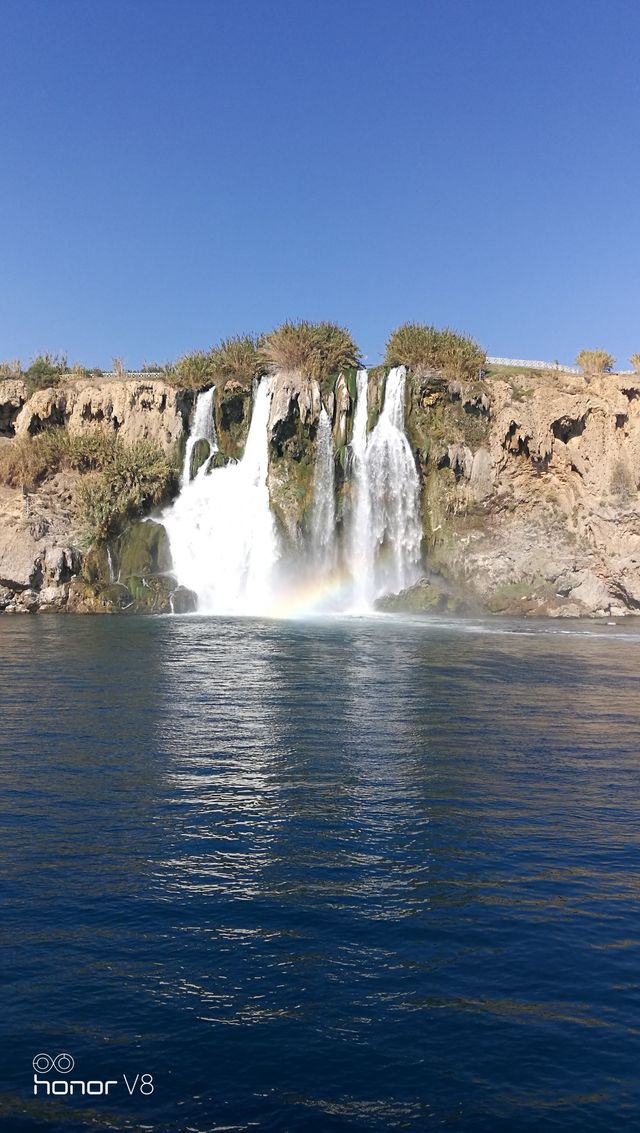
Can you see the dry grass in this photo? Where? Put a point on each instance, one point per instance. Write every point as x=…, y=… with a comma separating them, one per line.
x=595, y=361
x=237, y=358
x=314, y=349
x=27, y=461
x=423, y=348
x=136, y=478
x=120, y=482
x=12, y=369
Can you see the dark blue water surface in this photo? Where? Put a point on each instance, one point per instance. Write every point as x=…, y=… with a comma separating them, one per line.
x=324, y=876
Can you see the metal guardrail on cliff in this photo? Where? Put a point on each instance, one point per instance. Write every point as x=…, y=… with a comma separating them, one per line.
x=133, y=374
x=527, y=364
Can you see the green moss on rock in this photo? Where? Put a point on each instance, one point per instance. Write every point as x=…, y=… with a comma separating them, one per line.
x=200, y=453
x=95, y=565
x=427, y=596
x=233, y=415
x=143, y=549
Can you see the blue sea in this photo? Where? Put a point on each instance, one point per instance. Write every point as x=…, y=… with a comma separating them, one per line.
x=319, y=877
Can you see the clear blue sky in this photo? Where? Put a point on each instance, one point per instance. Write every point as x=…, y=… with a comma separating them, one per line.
x=174, y=171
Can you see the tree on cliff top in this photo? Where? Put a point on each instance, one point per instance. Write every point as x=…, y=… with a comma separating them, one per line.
x=314, y=349
x=422, y=348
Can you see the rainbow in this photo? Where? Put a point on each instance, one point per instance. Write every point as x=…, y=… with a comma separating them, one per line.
x=327, y=595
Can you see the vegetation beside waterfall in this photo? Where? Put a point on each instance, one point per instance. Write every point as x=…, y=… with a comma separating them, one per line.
x=118, y=482
x=237, y=359
x=137, y=478
x=426, y=349
x=317, y=350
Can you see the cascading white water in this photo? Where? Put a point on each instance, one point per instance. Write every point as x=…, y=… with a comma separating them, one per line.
x=384, y=550
x=222, y=534
x=394, y=488
x=323, y=517
x=202, y=429
x=360, y=550
x=221, y=531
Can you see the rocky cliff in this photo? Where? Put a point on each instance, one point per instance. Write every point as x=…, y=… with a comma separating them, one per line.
x=529, y=487
x=134, y=410
x=531, y=492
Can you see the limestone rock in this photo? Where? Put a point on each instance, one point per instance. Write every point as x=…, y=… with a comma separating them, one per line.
x=342, y=411
x=136, y=410
x=481, y=475
x=296, y=400
x=53, y=597
x=460, y=459
x=38, y=548
x=13, y=394
x=20, y=558
x=143, y=549
x=232, y=403
x=554, y=484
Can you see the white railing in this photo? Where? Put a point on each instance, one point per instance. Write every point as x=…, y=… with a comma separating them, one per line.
x=527, y=364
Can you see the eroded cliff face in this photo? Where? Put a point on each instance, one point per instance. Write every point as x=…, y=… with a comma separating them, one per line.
x=42, y=547
x=293, y=424
x=135, y=410
x=39, y=546
x=530, y=497
x=531, y=491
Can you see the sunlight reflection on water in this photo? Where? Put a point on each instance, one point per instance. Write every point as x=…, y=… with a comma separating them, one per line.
x=331, y=875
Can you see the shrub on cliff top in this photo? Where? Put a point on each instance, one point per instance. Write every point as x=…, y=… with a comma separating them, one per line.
x=236, y=358
x=314, y=349
x=595, y=361
x=422, y=348
x=192, y=371
x=45, y=371
x=12, y=369
x=635, y=362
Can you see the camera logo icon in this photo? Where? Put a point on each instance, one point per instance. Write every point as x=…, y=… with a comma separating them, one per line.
x=63, y=1063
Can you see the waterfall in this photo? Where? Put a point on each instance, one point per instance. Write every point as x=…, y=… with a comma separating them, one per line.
x=394, y=486
x=384, y=548
x=323, y=516
x=202, y=429
x=360, y=551
x=112, y=573
x=221, y=532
